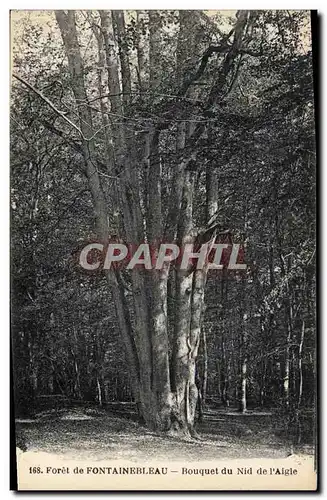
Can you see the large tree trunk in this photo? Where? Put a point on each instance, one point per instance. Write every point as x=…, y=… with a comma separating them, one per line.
x=66, y=22
x=166, y=395
x=149, y=295
x=189, y=291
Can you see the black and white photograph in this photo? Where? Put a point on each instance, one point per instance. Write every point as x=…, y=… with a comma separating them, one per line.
x=163, y=181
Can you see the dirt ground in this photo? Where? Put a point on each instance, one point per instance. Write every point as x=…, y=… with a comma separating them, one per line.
x=101, y=434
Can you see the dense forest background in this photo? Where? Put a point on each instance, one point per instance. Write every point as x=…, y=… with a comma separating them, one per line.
x=206, y=120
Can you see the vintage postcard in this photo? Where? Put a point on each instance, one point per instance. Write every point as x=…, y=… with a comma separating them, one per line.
x=163, y=262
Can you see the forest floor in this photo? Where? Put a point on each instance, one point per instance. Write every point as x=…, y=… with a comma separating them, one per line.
x=114, y=433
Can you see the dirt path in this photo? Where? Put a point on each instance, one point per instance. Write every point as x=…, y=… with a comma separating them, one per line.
x=100, y=435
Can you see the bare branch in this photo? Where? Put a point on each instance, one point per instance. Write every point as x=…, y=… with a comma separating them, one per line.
x=50, y=104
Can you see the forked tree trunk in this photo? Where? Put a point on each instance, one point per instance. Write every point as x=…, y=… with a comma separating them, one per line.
x=151, y=335
x=166, y=395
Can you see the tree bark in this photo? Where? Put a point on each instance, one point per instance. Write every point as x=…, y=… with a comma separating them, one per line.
x=141, y=50
x=150, y=315
x=67, y=27
x=243, y=369
x=167, y=399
